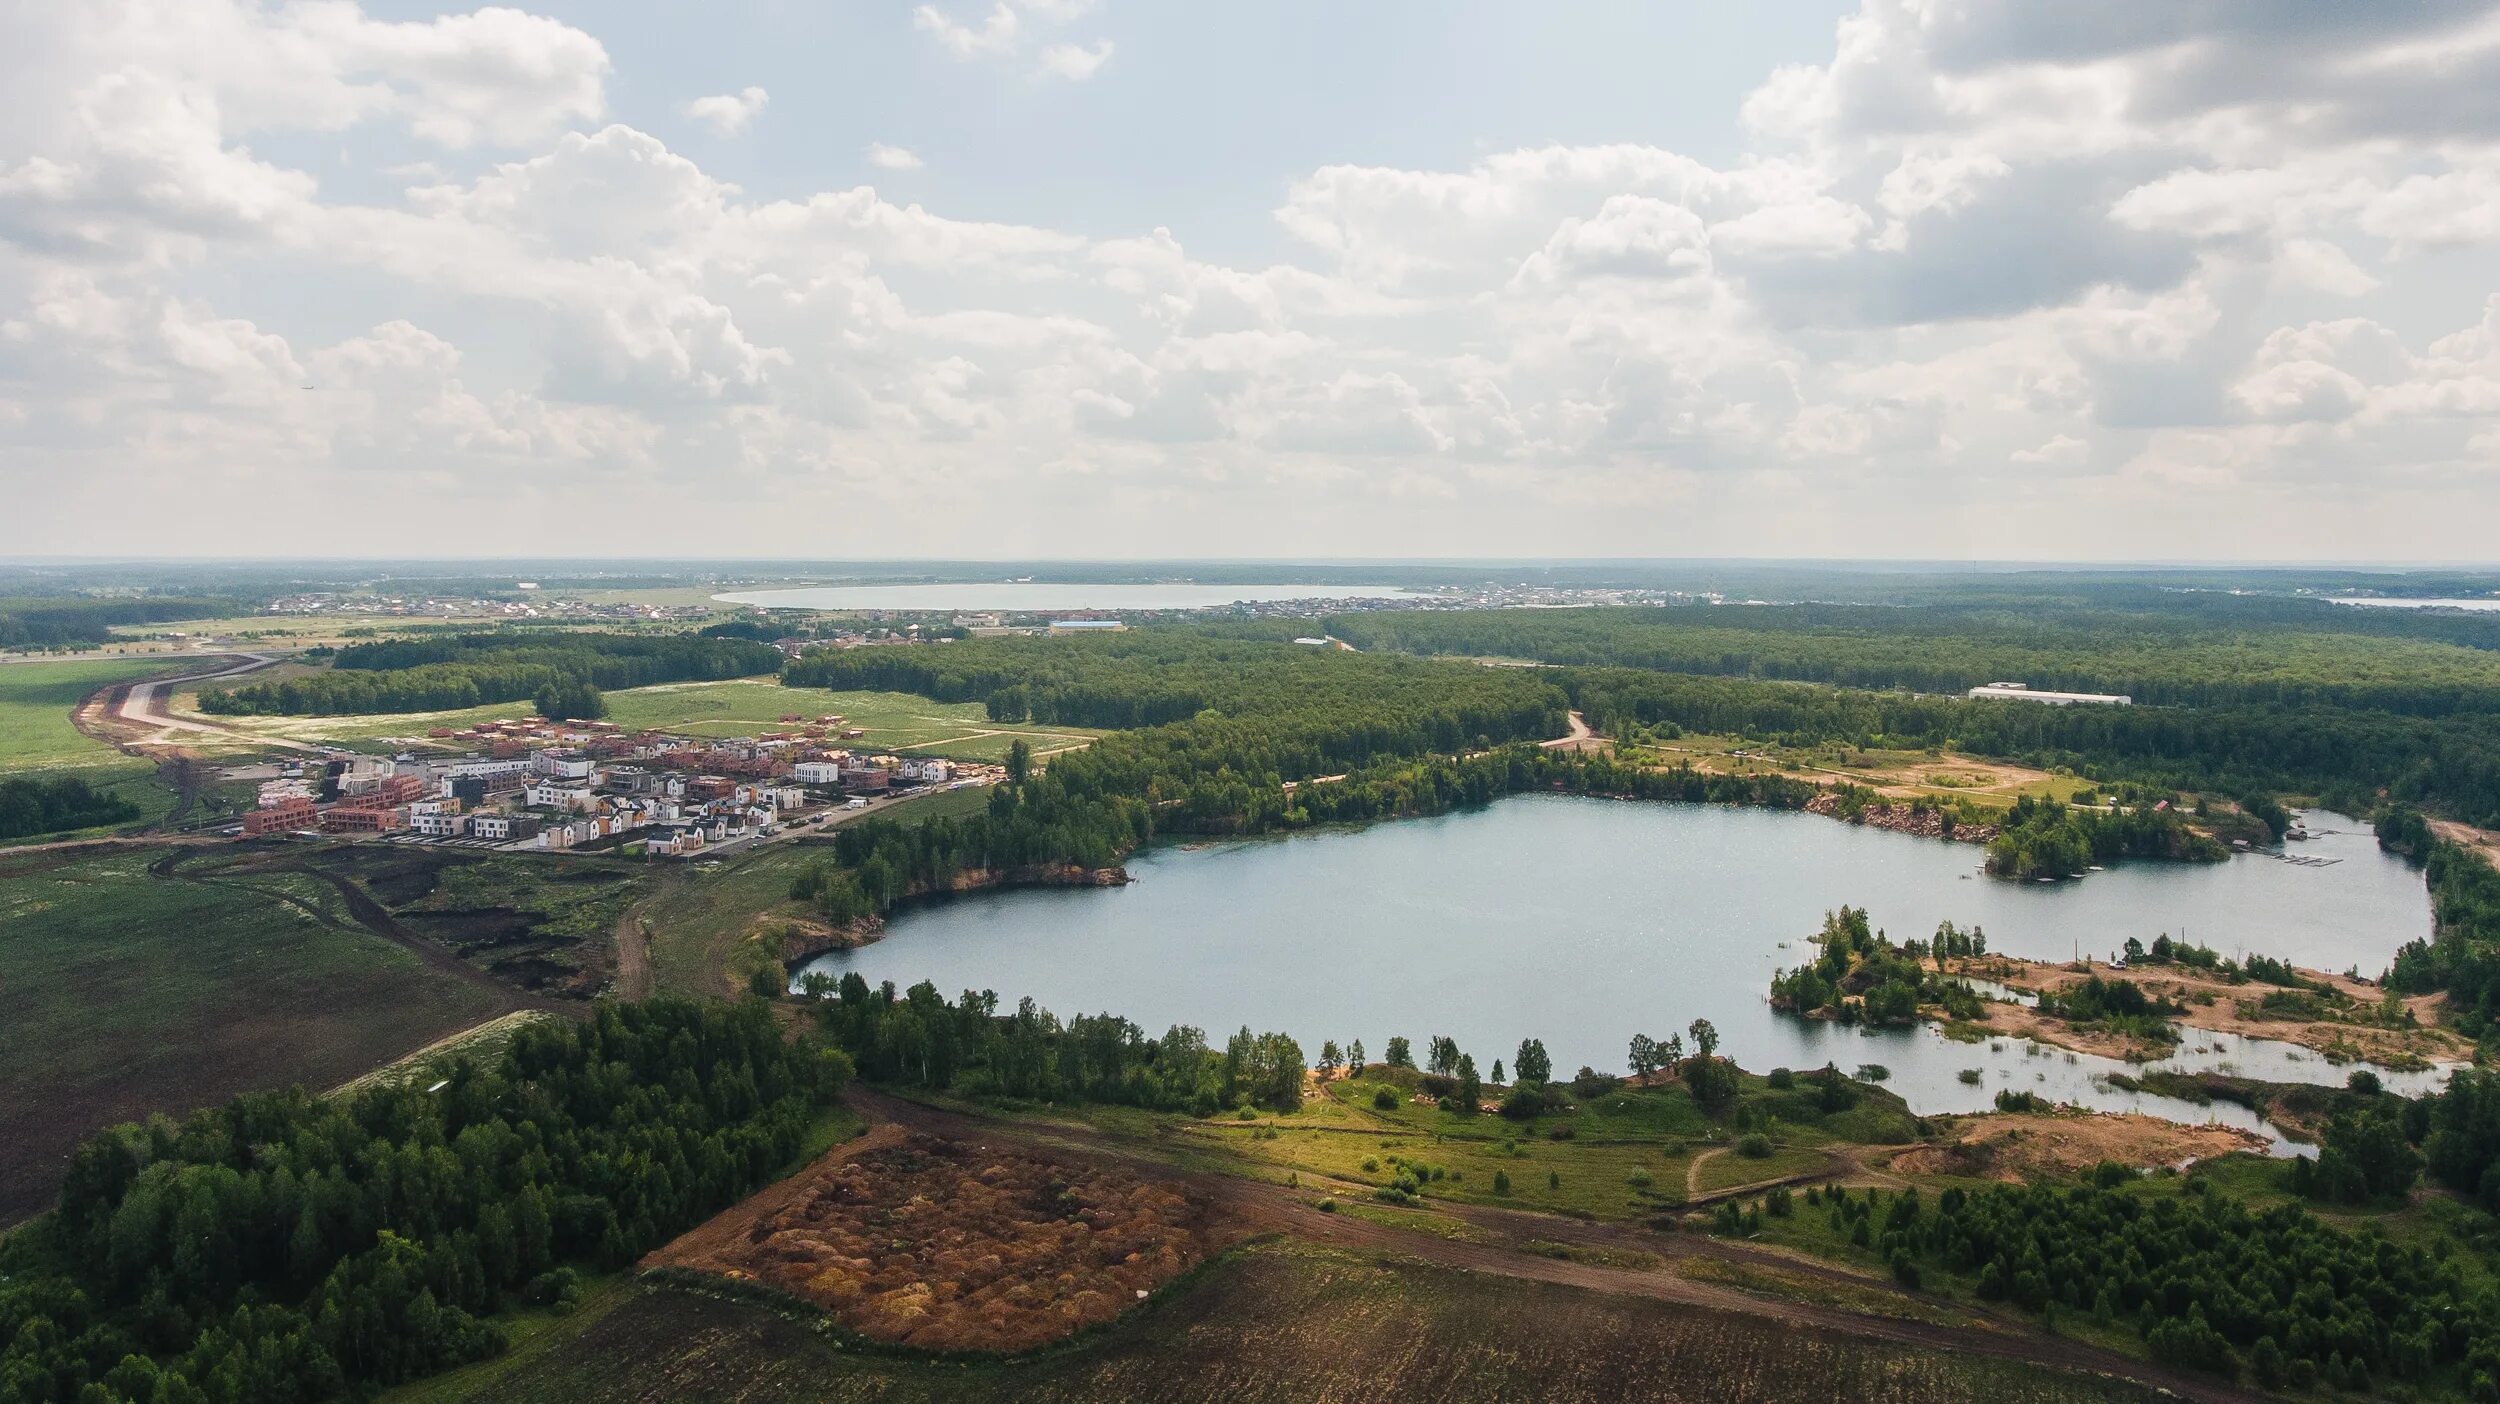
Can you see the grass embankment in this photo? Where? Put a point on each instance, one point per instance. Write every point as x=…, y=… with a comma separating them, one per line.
x=742, y=707
x=1284, y=1321
x=129, y=994
x=1631, y=1153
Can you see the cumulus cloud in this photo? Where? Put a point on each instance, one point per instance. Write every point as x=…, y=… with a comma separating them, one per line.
x=2045, y=274
x=728, y=114
x=995, y=33
x=1075, y=62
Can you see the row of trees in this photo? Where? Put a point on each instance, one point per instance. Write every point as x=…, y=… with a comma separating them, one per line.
x=444, y=673
x=2206, y=1281
x=2462, y=957
x=2157, y=652
x=286, y=1247
x=918, y=1039
x=32, y=806
x=52, y=621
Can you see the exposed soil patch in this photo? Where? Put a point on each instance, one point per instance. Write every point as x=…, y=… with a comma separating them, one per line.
x=1903, y=819
x=944, y=1245
x=2215, y=1004
x=2019, y=1149
x=473, y=929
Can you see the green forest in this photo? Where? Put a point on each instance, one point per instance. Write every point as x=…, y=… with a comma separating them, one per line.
x=76, y=622
x=31, y=806
x=285, y=1247
x=470, y=670
x=2173, y=651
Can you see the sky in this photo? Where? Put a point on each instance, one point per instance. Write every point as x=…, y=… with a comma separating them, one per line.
x=1930, y=279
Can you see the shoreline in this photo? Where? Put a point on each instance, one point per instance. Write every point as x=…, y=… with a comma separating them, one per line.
x=2214, y=1004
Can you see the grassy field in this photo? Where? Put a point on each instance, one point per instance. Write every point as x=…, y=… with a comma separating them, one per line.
x=743, y=707
x=1284, y=1321
x=1626, y=1154
x=128, y=994
x=36, y=699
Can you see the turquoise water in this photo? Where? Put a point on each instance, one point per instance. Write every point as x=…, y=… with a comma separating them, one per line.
x=1583, y=921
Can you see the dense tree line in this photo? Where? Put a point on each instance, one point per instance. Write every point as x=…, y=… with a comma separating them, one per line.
x=2206, y=1281
x=450, y=672
x=285, y=1247
x=918, y=1039
x=2347, y=755
x=2462, y=958
x=38, y=622
x=1151, y=677
x=2161, y=655
x=2043, y=838
x=31, y=806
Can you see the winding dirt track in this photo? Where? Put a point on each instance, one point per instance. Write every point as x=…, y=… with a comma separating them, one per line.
x=1499, y=1247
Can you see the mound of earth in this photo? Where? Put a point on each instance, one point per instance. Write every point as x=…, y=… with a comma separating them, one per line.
x=945, y=1246
x=2016, y=1147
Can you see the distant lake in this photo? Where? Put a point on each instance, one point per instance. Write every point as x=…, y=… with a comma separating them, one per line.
x=1030, y=597
x=1583, y=921
x=2391, y=602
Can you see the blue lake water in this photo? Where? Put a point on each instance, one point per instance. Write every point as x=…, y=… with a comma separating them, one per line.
x=1583, y=921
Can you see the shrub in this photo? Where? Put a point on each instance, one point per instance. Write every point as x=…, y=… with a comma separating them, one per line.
x=1386, y=1099
x=1970, y=1077
x=1754, y=1146
x=1523, y=1103
x=1501, y=1184
x=1874, y=1072
x=1371, y=1165
x=1553, y=1179
x=1588, y=1083
x=1639, y=1179
x=1781, y=1079
x=1563, y=1132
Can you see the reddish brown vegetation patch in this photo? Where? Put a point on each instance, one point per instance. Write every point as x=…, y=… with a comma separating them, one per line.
x=945, y=1246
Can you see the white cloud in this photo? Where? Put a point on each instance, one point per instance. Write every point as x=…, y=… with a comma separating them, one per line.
x=728, y=114
x=1075, y=62
x=995, y=34
x=2036, y=278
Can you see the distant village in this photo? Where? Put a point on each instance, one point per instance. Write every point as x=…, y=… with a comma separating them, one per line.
x=535, y=784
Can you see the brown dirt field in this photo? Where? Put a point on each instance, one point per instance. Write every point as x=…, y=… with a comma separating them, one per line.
x=2189, y=987
x=2483, y=841
x=944, y=1245
x=1497, y=1244
x=2018, y=1149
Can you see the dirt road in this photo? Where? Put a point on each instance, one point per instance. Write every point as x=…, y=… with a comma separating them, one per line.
x=1499, y=1246
x=1578, y=736
x=132, y=717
